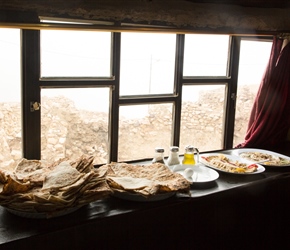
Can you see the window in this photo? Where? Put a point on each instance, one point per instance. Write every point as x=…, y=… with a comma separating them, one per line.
x=254, y=57
x=202, y=117
x=206, y=55
x=72, y=126
x=10, y=97
x=75, y=53
x=205, y=73
x=146, y=69
x=119, y=95
x=75, y=116
x=142, y=128
x=147, y=63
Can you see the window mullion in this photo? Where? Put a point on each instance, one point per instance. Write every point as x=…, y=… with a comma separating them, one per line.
x=178, y=88
x=30, y=94
x=229, y=121
x=115, y=93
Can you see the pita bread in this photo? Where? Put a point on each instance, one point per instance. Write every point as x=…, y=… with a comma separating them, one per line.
x=31, y=170
x=63, y=175
x=12, y=186
x=35, y=187
x=146, y=180
x=84, y=164
x=3, y=176
x=129, y=183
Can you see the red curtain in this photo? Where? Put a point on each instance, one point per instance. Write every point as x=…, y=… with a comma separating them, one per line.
x=270, y=116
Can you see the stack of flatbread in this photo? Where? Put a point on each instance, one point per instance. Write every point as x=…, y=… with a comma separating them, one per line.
x=148, y=180
x=35, y=187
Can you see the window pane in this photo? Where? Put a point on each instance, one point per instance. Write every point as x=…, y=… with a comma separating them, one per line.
x=147, y=63
x=254, y=57
x=206, y=55
x=202, y=117
x=75, y=53
x=10, y=97
x=74, y=122
x=142, y=128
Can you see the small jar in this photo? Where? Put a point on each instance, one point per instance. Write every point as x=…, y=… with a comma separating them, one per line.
x=173, y=158
x=189, y=155
x=159, y=156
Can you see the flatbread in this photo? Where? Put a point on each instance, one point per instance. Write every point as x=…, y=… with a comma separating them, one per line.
x=146, y=180
x=129, y=183
x=31, y=170
x=63, y=175
x=12, y=186
x=84, y=164
x=35, y=187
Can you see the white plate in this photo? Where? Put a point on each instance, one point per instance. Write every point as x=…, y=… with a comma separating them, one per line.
x=260, y=168
x=201, y=174
x=238, y=152
x=141, y=198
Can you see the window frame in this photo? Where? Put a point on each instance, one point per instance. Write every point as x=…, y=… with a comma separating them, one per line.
x=32, y=84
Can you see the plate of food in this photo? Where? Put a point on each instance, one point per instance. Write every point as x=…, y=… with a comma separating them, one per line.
x=265, y=157
x=145, y=182
x=231, y=164
x=196, y=173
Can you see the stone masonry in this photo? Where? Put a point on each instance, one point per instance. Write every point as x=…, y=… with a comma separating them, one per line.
x=66, y=132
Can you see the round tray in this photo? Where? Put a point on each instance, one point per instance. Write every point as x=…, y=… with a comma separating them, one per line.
x=141, y=198
x=47, y=215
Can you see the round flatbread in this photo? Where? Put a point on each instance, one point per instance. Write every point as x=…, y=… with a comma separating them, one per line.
x=129, y=183
x=146, y=180
x=31, y=170
x=63, y=175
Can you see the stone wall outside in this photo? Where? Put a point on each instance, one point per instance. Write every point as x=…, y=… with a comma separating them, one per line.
x=70, y=133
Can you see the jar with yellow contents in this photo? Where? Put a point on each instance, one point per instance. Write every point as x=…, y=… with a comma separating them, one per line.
x=189, y=155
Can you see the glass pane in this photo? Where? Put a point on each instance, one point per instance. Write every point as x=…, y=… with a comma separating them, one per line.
x=254, y=57
x=10, y=97
x=147, y=63
x=74, y=122
x=206, y=55
x=142, y=128
x=202, y=117
x=75, y=53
